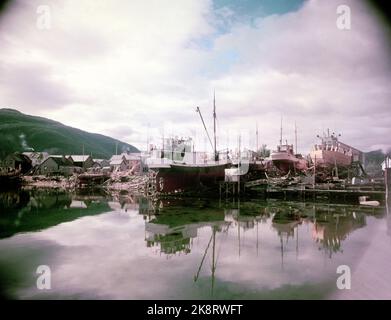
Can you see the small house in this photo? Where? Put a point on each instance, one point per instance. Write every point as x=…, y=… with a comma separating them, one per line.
x=82, y=161
x=36, y=157
x=117, y=157
x=57, y=165
x=17, y=161
x=101, y=163
x=118, y=165
x=132, y=161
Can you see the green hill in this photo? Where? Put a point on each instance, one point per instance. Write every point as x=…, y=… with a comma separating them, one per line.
x=22, y=132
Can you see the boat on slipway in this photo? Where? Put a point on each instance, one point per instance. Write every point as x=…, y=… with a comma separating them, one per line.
x=332, y=152
x=178, y=168
x=285, y=159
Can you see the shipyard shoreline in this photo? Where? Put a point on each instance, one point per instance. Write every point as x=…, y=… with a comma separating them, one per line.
x=132, y=184
x=263, y=189
x=333, y=170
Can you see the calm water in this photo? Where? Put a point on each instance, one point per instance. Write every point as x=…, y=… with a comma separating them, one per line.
x=107, y=247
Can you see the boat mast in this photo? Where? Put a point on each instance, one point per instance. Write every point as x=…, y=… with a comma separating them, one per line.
x=148, y=138
x=281, y=132
x=295, y=138
x=214, y=125
x=162, y=154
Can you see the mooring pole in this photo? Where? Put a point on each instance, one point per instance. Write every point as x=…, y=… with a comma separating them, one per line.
x=295, y=138
x=314, y=171
x=387, y=176
x=214, y=127
x=239, y=165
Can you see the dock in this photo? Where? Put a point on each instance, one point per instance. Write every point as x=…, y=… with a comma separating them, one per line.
x=301, y=191
x=344, y=195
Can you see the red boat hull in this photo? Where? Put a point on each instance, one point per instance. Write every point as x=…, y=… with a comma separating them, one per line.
x=183, y=178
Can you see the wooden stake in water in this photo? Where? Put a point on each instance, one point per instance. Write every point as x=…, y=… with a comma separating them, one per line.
x=314, y=171
x=295, y=138
x=387, y=175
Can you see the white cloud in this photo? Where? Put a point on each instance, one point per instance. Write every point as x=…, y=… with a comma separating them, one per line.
x=143, y=64
x=301, y=66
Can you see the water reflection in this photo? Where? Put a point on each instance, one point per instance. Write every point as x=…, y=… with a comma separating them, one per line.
x=329, y=226
x=178, y=248
x=39, y=209
x=171, y=228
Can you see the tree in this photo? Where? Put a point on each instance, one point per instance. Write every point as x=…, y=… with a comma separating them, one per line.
x=264, y=152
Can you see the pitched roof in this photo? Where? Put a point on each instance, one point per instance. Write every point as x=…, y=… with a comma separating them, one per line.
x=39, y=156
x=78, y=158
x=35, y=154
x=16, y=156
x=126, y=156
x=116, y=162
x=61, y=161
x=101, y=160
x=116, y=157
x=132, y=156
x=29, y=154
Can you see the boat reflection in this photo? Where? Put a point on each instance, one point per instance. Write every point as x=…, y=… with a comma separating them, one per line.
x=172, y=227
x=171, y=224
x=330, y=224
x=263, y=249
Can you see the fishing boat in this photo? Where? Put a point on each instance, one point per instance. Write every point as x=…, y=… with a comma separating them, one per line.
x=332, y=152
x=285, y=159
x=179, y=167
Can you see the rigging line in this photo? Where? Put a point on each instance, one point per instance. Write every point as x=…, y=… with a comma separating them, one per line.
x=219, y=249
x=203, y=258
x=207, y=133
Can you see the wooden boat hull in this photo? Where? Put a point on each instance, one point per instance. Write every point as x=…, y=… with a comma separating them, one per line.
x=179, y=177
x=286, y=162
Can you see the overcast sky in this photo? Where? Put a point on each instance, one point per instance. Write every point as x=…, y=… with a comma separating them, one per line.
x=132, y=69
